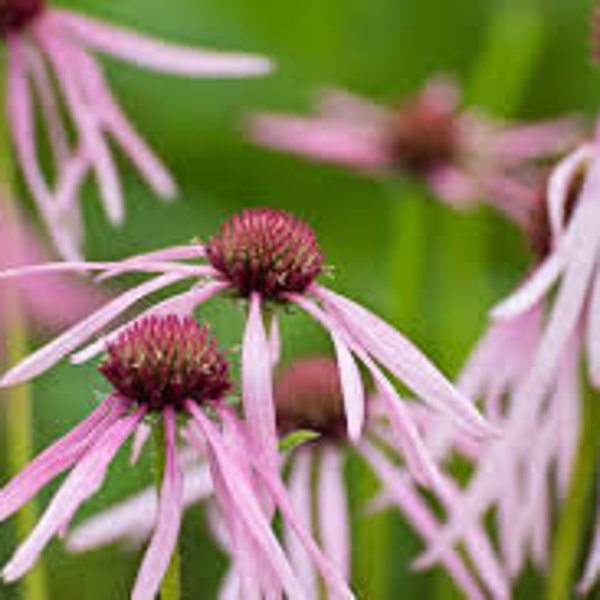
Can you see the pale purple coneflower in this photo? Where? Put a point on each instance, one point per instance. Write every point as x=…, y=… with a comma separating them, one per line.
x=167, y=368
x=270, y=259
x=542, y=425
x=462, y=155
x=46, y=44
x=308, y=397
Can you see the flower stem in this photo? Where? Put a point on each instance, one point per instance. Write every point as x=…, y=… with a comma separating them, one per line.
x=171, y=583
x=571, y=525
x=18, y=400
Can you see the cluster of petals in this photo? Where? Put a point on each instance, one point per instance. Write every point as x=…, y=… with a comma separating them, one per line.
x=316, y=484
x=354, y=331
x=48, y=45
x=237, y=468
x=462, y=155
x=542, y=420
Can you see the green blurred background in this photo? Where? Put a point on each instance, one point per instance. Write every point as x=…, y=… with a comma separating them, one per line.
x=382, y=49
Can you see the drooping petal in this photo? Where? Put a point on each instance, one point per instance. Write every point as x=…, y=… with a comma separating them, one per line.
x=321, y=139
x=115, y=122
x=593, y=328
x=68, y=75
x=300, y=486
x=403, y=359
x=134, y=519
x=85, y=479
x=181, y=304
x=58, y=458
x=559, y=185
x=352, y=388
x=52, y=352
x=420, y=517
x=333, y=510
x=146, y=52
x=170, y=507
x=259, y=408
x=246, y=504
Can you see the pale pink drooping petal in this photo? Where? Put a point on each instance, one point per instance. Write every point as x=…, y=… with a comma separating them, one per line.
x=133, y=520
x=352, y=388
x=51, y=353
x=170, y=507
x=58, y=458
x=333, y=510
x=300, y=487
x=85, y=479
x=145, y=52
x=257, y=383
x=403, y=359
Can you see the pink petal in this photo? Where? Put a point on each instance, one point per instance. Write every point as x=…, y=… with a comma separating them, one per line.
x=420, y=517
x=145, y=52
x=71, y=81
x=352, y=388
x=257, y=384
x=59, y=457
x=115, y=122
x=246, y=504
x=593, y=328
x=559, y=186
x=403, y=359
x=322, y=140
x=300, y=487
x=334, y=580
x=133, y=519
x=51, y=353
x=333, y=510
x=170, y=508
x=182, y=304
x=84, y=481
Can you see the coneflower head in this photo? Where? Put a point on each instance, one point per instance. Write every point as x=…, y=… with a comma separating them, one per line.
x=17, y=14
x=266, y=251
x=308, y=395
x=164, y=361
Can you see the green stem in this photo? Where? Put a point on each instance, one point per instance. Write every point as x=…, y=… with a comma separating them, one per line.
x=18, y=400
x=571, y=526
x=171, y=583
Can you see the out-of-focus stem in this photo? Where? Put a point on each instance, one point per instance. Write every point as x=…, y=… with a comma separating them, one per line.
x=571, y=526
x=171, y=584
x=17, y=400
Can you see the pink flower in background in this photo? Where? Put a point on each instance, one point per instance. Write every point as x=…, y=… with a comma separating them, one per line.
x=308, y=397
x=462, y=155
x=50, y=302
x=45, y=45
x=170, y=368
x=270, y=259
x=542, y=424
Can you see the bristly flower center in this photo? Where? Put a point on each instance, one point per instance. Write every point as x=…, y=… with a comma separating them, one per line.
x=266, y=251
x=17, y=14
x=308, y=395
x=164, y=361
x=423, y=136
